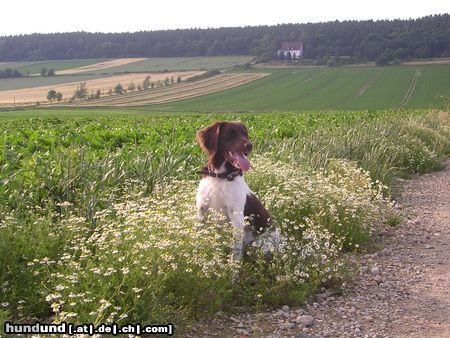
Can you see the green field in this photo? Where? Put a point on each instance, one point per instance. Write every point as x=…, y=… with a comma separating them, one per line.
x=180, y=63
x=35, y=67
x=39, y=81
x=287, y=89
x=149, y=65
x=328, y=88
x=107, y=199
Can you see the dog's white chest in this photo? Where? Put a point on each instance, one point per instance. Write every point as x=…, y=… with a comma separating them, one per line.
x=220, y=194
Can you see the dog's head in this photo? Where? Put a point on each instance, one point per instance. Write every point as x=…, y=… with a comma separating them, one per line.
x=226, y=141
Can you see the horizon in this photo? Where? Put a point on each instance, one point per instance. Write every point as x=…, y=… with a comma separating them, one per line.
x=42, y=18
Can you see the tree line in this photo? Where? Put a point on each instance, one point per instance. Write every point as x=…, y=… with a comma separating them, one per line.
x=9, y=73
x=81, y=92
x=363, y=40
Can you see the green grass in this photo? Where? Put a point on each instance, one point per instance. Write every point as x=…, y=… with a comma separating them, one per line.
x=56, y=65
x=39, y=81
x=65, y=113
x=388, y=90
x=292, y=89
x=431, y=86
x=180, y=63
x=159, y=64
x=19, y=64
x=326, y=89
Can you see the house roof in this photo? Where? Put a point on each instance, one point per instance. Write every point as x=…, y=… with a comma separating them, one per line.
x=291, y=45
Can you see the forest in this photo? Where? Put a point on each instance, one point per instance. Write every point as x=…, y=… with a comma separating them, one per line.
x=362, y=40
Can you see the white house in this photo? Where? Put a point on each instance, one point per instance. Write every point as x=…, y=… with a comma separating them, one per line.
x=294, y=48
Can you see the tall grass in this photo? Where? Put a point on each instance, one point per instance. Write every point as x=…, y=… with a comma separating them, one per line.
x=106, y=230
x=387, y=148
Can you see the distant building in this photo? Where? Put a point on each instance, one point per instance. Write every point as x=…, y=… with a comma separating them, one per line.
x=293, y=48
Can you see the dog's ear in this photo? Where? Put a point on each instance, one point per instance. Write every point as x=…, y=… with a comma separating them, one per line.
x=243, y=126
x=208, y=138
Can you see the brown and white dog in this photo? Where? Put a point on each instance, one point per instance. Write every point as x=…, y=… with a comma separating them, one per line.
x=222, y=186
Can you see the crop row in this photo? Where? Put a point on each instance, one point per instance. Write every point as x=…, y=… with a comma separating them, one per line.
x=176, y=92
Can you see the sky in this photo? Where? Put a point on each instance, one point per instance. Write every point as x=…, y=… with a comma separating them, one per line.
x=50, y=16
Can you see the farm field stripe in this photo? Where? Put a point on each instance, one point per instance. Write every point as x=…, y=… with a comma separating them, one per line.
x=195, y=93
x=312, y=77
x=219, y=84
x=133, y=97
x=192, y=90
x=38, y=94
x=159, y=92
x=100, y=66
x=369, y=83
x=411, y=88
x=191, y=94
x=138, y=94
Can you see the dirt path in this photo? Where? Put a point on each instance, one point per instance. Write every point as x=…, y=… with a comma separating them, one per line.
x=100, y=66
x=399, y=291
x=369, y=83
x=411, y=88
x=403, y=290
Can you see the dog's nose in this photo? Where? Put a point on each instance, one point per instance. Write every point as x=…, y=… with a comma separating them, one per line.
x=248, y=146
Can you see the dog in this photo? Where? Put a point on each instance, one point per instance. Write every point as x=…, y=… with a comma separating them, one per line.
x=223, y=187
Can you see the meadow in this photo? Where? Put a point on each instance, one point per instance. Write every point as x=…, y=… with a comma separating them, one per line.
x=182, y=63
x=38, y=81
x=278, y=89
x=35, y=67
x=98, y=222
x=142, y=66
x=340, y=88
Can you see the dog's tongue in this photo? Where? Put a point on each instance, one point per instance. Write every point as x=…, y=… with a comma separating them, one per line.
x=244, y=163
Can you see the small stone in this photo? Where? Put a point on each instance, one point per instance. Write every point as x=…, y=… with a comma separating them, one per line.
x=357, y=331
x=285, y=308
x=259, y=316
x=243, y=332
x=285, y=326
x=413, y=221
x=385, y=252
x=304, y=335
x=289, y=326
x=368, y=318
x=256, y=328
x=234, y=319
x=306, y=320
x=375, y=270
x=280, y=313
